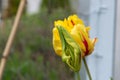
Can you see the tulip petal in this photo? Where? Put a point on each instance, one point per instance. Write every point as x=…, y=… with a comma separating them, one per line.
x=56, y=42
x=71, y=53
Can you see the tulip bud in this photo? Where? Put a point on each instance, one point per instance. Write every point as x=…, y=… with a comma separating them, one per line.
x=71, y=41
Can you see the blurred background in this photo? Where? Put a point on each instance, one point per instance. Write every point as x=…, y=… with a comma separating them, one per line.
x=32, y=56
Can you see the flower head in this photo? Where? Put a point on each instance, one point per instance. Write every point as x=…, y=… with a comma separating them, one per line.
x=71, y=40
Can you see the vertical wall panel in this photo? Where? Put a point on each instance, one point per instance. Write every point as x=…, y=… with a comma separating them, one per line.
x=100, y=15
x=117, y=44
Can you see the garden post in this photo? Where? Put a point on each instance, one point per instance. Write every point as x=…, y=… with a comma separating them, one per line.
x=11, y=37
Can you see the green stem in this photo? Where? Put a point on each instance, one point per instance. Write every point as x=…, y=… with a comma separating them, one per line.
x=78, y=76
x=87, y=69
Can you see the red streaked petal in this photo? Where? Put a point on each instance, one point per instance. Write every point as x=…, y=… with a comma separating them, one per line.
x=72, y=22
x=86, y=46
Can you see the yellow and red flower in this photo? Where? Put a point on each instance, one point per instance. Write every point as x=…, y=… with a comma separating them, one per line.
x=72, y=31
x=80, y=33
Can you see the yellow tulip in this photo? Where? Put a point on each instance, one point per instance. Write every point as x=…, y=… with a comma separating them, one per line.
x=72, y=35
x=75, y=26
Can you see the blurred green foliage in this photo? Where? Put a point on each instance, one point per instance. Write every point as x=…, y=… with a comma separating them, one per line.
x=12, y=8
x=13, y=5
x=55, y=3
x=50, y=5
x=32, y=56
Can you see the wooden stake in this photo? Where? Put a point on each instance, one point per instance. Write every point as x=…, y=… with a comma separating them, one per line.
x=11, y=37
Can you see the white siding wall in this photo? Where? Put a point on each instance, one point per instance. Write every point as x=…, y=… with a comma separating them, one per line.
x=117, y=44
x=100, y=15
x=102, y=22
